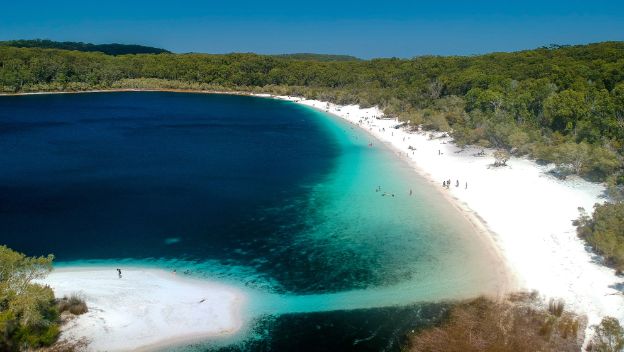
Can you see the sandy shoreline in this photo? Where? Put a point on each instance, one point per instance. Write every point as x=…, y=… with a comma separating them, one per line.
x=146, y=309
x=507, y=280
x=526, y=213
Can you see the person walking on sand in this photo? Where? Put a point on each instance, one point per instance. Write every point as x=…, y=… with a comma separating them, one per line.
x=119, y=272
x=457, y=183
x=466, y=185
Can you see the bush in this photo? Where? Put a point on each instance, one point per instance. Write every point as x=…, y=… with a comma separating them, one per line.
x=74, y=304
x=608, y=336
x=604, y=232
x=28, y=315
x=521, y=322
x=555, y=307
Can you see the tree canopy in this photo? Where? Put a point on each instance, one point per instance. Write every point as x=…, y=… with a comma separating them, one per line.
x=604, y=231
x=28, y=315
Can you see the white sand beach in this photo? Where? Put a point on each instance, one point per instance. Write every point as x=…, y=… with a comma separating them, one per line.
x=146, y=308
x=528, y=212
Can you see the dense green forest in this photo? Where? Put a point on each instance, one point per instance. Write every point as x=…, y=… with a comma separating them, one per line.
x=317, y=57
x=109, y=49
x=561, y=104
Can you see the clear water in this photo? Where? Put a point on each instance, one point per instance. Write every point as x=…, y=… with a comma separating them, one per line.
x=275, y=198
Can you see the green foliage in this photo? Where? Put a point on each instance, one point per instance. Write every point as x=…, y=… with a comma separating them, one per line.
x=604, y=231
x=28, y=316
x=608, y=336
x=561, y=104
x=109, y=49
x=317, y=57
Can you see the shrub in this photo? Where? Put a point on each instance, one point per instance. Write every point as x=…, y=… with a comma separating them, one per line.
x=555, y=307
x=74, y=304
x=28, y=316
x=521, y=322
x=604, y=231
x=608, y=337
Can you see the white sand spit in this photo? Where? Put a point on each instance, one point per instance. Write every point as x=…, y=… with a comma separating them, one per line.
x=146, y=308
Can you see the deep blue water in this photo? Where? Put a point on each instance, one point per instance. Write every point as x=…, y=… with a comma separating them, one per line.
x=268, y=195
x=117, y=175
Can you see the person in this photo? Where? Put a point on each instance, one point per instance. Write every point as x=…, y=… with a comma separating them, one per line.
x=410, y=191
x=438, y=151
x=443, y=183
x=466, y=185
x=457, y=183
x=119, y=272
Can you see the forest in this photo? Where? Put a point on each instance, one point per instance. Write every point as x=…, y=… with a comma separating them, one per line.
x=559, y=104
x=109, y=49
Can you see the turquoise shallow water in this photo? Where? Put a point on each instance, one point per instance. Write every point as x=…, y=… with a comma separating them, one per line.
x=274, y=198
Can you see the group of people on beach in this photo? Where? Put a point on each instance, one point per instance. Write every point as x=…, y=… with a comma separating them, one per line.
x=447, y=184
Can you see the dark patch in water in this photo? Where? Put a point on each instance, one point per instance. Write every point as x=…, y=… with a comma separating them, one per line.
x=380, y=329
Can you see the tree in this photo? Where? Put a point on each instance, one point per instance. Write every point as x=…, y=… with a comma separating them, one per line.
x=608, y=336
x=501, y=157
x=604, y=231
x=28, y=317
x=563, y=110
x=572, y=157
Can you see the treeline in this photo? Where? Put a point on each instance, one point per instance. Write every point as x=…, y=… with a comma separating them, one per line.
x=559, y=104
x=317, y=57
x=604, y=231
x=109, y=49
